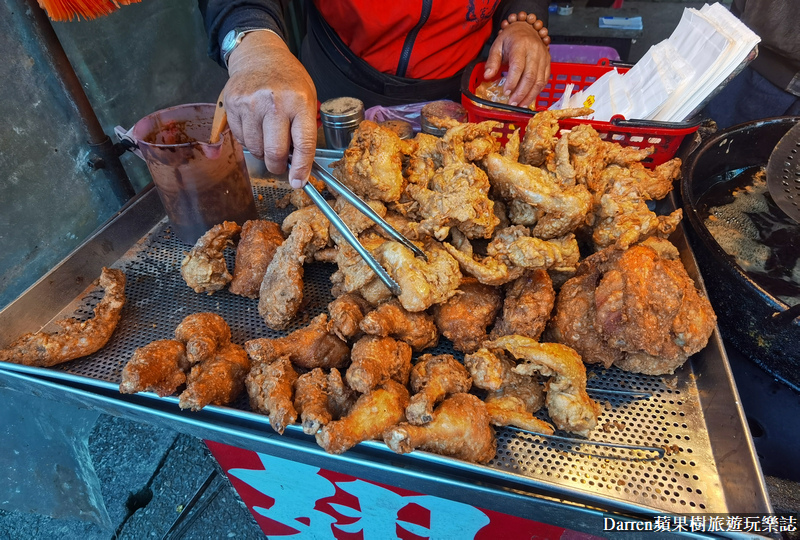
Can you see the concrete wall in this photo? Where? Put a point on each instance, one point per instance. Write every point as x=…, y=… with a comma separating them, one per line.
x=140, y=59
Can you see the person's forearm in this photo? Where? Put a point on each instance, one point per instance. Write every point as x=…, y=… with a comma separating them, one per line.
x=222, y=16
x=537, y=7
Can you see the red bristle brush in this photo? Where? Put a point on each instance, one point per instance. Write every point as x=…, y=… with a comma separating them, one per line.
x=66, y=10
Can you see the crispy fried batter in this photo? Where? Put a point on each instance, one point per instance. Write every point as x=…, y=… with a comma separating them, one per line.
x=346, y=313
x=375, y=360
x=341, y=397
x=460, y=428
x=271, y=387
x=433, y=378
x=527, y=306
x=391, y=319
x=464, y=318
x=74, y=338
x=259, y=240
x=203, y=268
x=568, y=404
x=372, y=164
x=508, y=409
x=422, y=283
x=311, y=400
x=203, y=334
x=371, y=415
x=540, y=134
x=216, y=381
x=158, y=367
x=310, y=347
x=281, y=291
x=487, y=270
x=314, y=218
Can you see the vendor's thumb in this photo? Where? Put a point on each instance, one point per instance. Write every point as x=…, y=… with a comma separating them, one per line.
x=304, y=141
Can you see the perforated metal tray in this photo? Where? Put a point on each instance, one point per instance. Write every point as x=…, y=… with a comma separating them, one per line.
x=652, y=449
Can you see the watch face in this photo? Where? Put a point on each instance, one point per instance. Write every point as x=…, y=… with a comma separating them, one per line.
x=228, y=41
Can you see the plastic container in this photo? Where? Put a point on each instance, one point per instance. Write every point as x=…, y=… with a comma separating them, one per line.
x=665, y=137
x=200, y=184
x=582, y=54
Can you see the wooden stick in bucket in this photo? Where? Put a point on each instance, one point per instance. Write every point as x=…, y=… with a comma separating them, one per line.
x=220, y=121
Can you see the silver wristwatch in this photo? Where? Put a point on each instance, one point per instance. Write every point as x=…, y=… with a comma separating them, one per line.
x=232, y=40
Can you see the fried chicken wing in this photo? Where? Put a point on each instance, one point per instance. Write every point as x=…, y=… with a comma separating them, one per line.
x=346, y=313
x=568, y=404
x=203, y=334
x=487, y=270
x=203, y=268
x=375, y=360
x=158, y=367
x=259, y=240
x=281, y=291
x=391, y=319
x=522, y=251
x=355, y=275
x=354, y=219
x=310, y=347
x=507, y=408
x=311, y=400
x=464, y=318
x=372, y=164
x=341, y=397
x=433, y=378
x=460, y=428
x=314, y=218
x=422, y=283
x=540, y=134
x=74, y=338
x=472, y=142
x=527, y=306
x=216, y=381
x=368, y=419
x=271, y=389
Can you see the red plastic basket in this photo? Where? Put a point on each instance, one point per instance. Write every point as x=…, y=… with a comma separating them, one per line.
x=665, y=137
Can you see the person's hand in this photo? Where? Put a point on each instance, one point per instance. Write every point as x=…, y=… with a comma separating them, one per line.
x=523, y=47
x=272, y=105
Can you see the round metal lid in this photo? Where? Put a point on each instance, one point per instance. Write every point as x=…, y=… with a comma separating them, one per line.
x=783, y=173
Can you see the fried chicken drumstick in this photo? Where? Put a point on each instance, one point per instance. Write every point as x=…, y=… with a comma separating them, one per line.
x=203, y=268
x=460, y=428
x=74, y=339
x=217, y=381
x=158, y=367
x=259, y=241
x=433, y=378
x=271, y=389
x=203, y=334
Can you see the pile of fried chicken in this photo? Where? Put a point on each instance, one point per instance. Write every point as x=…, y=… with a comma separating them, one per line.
x=542, y=256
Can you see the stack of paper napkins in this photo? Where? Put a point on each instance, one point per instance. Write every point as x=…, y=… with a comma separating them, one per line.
x=677, y=76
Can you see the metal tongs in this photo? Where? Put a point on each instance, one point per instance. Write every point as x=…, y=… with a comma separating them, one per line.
x=345, y=231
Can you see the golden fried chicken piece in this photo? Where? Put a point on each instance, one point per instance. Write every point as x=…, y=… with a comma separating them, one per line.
x=456, y=196
x=271, y=389
x=341, y=397
x=310, y=347
x=624, y=219
x=371, y=415
x=433, y=378
x=564, y=209
x=311, y=400
x=573, y=323
x=591, y=155
x=355, y=275
x=74, y=338
x=354, y=219
x=650, y=308
x=511, y=149
x=522, y=213
x=512, y=398
x=527, y=306
x=216, y=381
x=649, y=184
x=375, y=360
x=568, y=404
x=460, y=428
x=346, y=313
x=314, y=218
x=487, y=270
x=560, y=165
x=259, y=240
x=515, y=247
x=281, y=291
x=540, y=134
x=372, y=165
x=159, y=366
x=463, y=319
x=472, y=142
x=298, y=197
x=507, y=408
x=424, y=161
x=391, y=319
x=402, y=224
x=203, y=334
x=422, y=283
x=203, y=268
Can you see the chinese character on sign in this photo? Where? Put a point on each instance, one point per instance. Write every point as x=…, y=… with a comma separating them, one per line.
x=679, y=523
x=751, y=524
x=715, y=524
x=787, y=524
x=769, y=524
x=733, y=523
x=698, y=523
x=662, y=524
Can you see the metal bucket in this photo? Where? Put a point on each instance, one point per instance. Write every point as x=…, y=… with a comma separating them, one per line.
x=200, y=184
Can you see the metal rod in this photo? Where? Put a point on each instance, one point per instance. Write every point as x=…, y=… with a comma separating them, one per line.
x=54, y=53
x=342, y=227
x=365, y=209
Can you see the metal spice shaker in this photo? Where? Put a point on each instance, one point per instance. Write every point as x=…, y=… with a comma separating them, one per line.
x=440, y=109
x=340, y=118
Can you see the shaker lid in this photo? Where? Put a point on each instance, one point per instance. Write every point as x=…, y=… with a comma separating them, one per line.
x=342, y=109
